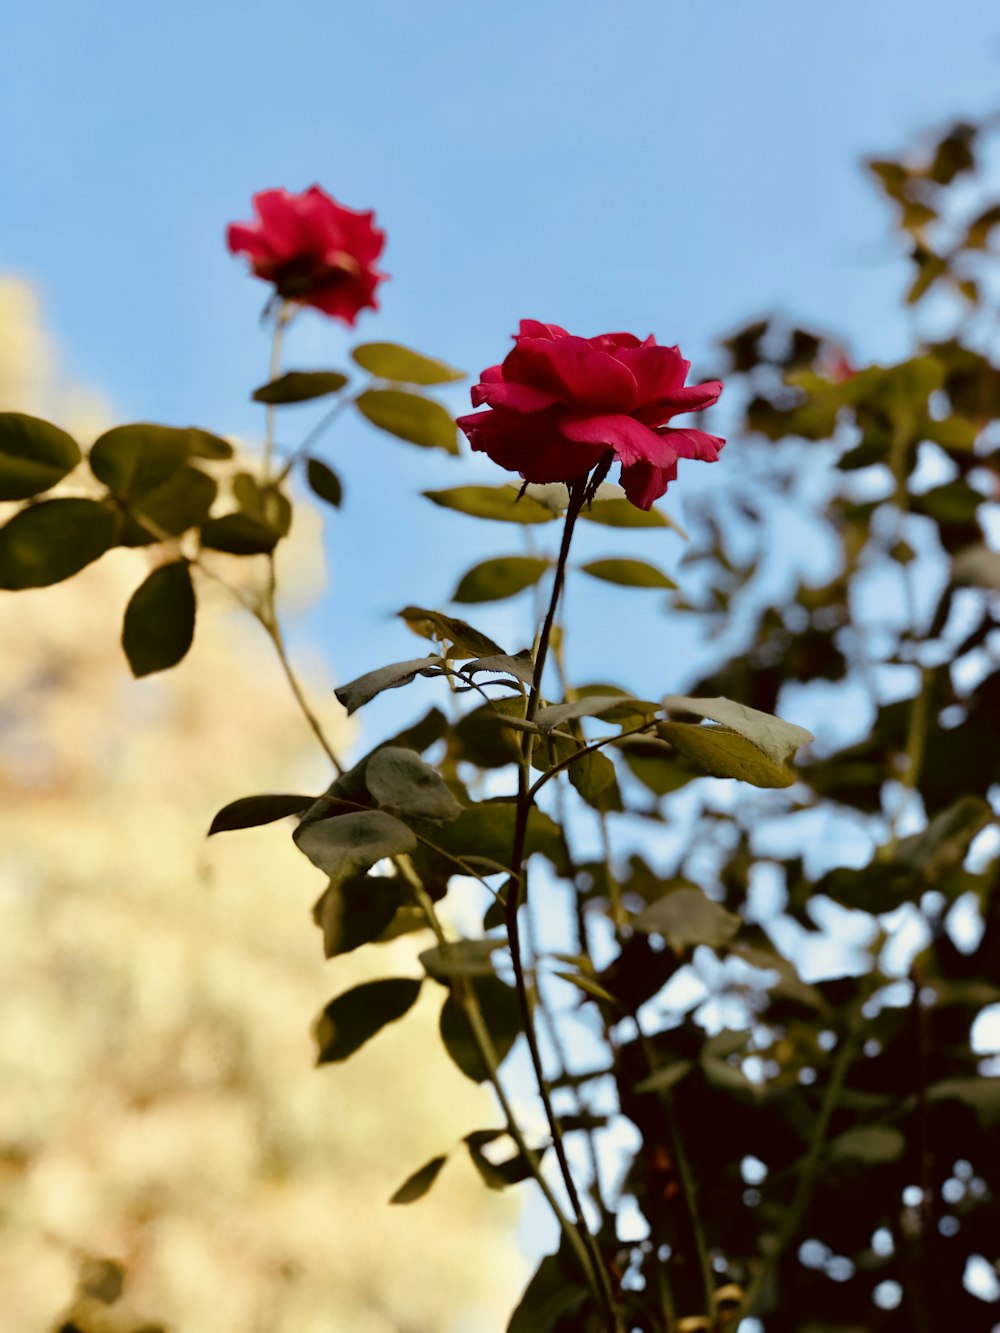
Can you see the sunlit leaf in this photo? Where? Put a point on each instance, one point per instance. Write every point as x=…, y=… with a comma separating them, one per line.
x=463, y=638
x=628, y=573
x=496, y=502
x=390, y=361
x=411, y=417
x=356, y=1016
x=34, y=455
x=500, y=577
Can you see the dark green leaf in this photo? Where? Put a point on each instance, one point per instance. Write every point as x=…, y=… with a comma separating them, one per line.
x=356, y=693
x=553, y=1294
x=493, y=1176
x=357, y=910
x=664, y=1078
x=263, y=501
x=593, y=775
x=519, y=666
x=159, y=620
x=34, y=455
x=483, y=835
x=252, y=811
x=390, y=361
x=502, y=1016
x=410, y=417
x=628, y=573
x=356, y=1016
x=658, y=766
x=981, y=1095
x=300, y=386
x=686, y=918
x=400, y=782
x=324, y=482
x=238, y=534
x=417, y=1185
x=870, y=1144
x=347, y=844
x=502, y=577
x=134, y=460
x=52, y=540
x=496, y=502
x=463, y=958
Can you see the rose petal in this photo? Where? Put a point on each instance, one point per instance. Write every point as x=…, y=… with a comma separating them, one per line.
x=574, y=370
x=630, y=439
x=531, y=328
x=687, y=443
x=658, y=371
x=516, y=397
x=644, y=482
x=531, y=445
x=246, y=238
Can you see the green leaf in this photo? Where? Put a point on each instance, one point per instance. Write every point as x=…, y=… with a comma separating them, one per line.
x=347, y=844
x=748, y=744
x=721, y=753
x=495, y=1176
x=981, y=1095
x=464, y=640
x=520, y=666
x=324, y=482
x=356, y=693
x=134, y=460
x=496, y=502
x=615, y=511
x=628, y=573
x=686, y=918
x=159, y=620
x=664, y=1078
x=253, y=811
x=238, y=534
x=357, y=910
x=463, y=958
x=870, y=1144
x=502, y=1016
x=483, y=835
x=263, y=501
x=34, y=455
x=390, y=361
x=553, y=1295
x=658, y=766
x=589, y=986
x=502, y=577
x=356, y=1016
x=410, y=417
x=417, y=1185
x=399, y=781
x=591, y=705
x=300, y=386
x=977, y=565
x=593, y=776
x=54, y=539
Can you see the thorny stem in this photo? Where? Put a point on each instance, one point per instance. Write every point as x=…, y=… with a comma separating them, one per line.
x=516, y=890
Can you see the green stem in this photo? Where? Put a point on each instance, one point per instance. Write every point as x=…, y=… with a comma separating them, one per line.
x=465, y=995
x=283, y=316
x=517, y=889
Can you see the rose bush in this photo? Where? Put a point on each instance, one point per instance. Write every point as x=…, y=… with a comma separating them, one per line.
x=314, y=250
x=561, y=405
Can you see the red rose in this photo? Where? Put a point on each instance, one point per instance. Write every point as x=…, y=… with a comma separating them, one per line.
x=561, y=405
x=314, y=250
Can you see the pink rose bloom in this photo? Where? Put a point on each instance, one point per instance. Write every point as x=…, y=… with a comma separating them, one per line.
x=314, y=250
x=560, y=406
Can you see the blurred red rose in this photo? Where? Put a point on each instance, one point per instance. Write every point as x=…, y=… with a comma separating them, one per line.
x=314, y=250
x=560, y=405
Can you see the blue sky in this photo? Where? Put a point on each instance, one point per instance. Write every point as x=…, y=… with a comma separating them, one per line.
x=651, y=166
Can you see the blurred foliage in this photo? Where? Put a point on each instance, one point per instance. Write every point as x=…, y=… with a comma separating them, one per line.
x=816, y=1140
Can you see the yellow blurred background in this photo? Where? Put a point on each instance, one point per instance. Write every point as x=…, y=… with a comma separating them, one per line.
x=159, y=1104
